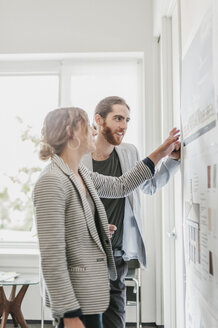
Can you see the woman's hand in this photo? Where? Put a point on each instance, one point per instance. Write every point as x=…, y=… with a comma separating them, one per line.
x=73, y=323
x=167, y=147
x=112, y=228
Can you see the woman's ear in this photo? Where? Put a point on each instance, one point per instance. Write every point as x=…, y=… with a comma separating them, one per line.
x=69, y=134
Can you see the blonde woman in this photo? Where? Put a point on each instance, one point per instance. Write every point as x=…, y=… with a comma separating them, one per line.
x=75, y=248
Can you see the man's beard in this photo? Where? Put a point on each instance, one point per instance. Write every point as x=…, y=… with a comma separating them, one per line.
x=108, y=135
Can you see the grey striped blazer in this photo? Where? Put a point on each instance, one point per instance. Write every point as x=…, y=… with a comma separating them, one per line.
x=74, y=260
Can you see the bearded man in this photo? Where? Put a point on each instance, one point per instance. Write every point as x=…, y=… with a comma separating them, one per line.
x=112, y=157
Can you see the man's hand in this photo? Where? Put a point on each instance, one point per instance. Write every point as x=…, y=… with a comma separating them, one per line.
x=166, y=148
x=73, y=323
x=176, y=153
x=112, y=228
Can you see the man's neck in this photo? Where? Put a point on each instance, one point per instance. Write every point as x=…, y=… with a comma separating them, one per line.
x=103, y=149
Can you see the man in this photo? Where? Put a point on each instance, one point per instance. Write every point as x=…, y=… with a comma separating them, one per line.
x=112, y=115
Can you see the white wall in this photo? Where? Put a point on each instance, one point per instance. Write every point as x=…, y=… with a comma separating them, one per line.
x=28, y=26
x=190, y=22
x=161, y=8
x=69, y=26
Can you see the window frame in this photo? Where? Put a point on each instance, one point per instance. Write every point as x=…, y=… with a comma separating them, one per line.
x=56, y=64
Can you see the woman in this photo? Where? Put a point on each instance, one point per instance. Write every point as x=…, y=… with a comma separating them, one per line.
x=71, y=221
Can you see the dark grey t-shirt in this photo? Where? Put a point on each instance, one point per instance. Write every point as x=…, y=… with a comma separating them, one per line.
x=114, y=207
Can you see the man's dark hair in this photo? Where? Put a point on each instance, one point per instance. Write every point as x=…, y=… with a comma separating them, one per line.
x=105, y=105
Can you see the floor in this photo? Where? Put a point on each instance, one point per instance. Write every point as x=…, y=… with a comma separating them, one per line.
x=36, y=325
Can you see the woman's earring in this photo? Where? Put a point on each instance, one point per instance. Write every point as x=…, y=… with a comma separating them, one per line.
x=77, y=146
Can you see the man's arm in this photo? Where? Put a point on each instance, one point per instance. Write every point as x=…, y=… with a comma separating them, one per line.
x=117, y=187
x=161, y=176
x=167, y=169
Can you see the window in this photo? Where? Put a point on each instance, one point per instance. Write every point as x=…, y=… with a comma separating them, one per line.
x=24, y=102
x=29, y=90
x=91, y=83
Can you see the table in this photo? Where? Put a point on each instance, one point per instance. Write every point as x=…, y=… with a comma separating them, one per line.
x=12, y=305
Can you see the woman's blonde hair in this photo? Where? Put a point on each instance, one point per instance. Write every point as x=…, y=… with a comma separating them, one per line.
x=54, y=131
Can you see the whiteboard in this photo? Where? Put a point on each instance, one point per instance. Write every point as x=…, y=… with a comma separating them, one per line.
x=199, y=108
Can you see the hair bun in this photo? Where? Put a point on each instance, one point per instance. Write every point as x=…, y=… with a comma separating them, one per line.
x=46, y=151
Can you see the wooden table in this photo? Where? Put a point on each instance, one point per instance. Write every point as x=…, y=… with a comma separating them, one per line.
x=12, y=305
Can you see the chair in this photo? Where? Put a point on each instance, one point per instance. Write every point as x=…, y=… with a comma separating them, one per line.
x=133, y=279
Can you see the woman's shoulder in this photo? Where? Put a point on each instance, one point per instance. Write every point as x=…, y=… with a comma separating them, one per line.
x=51, y=176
